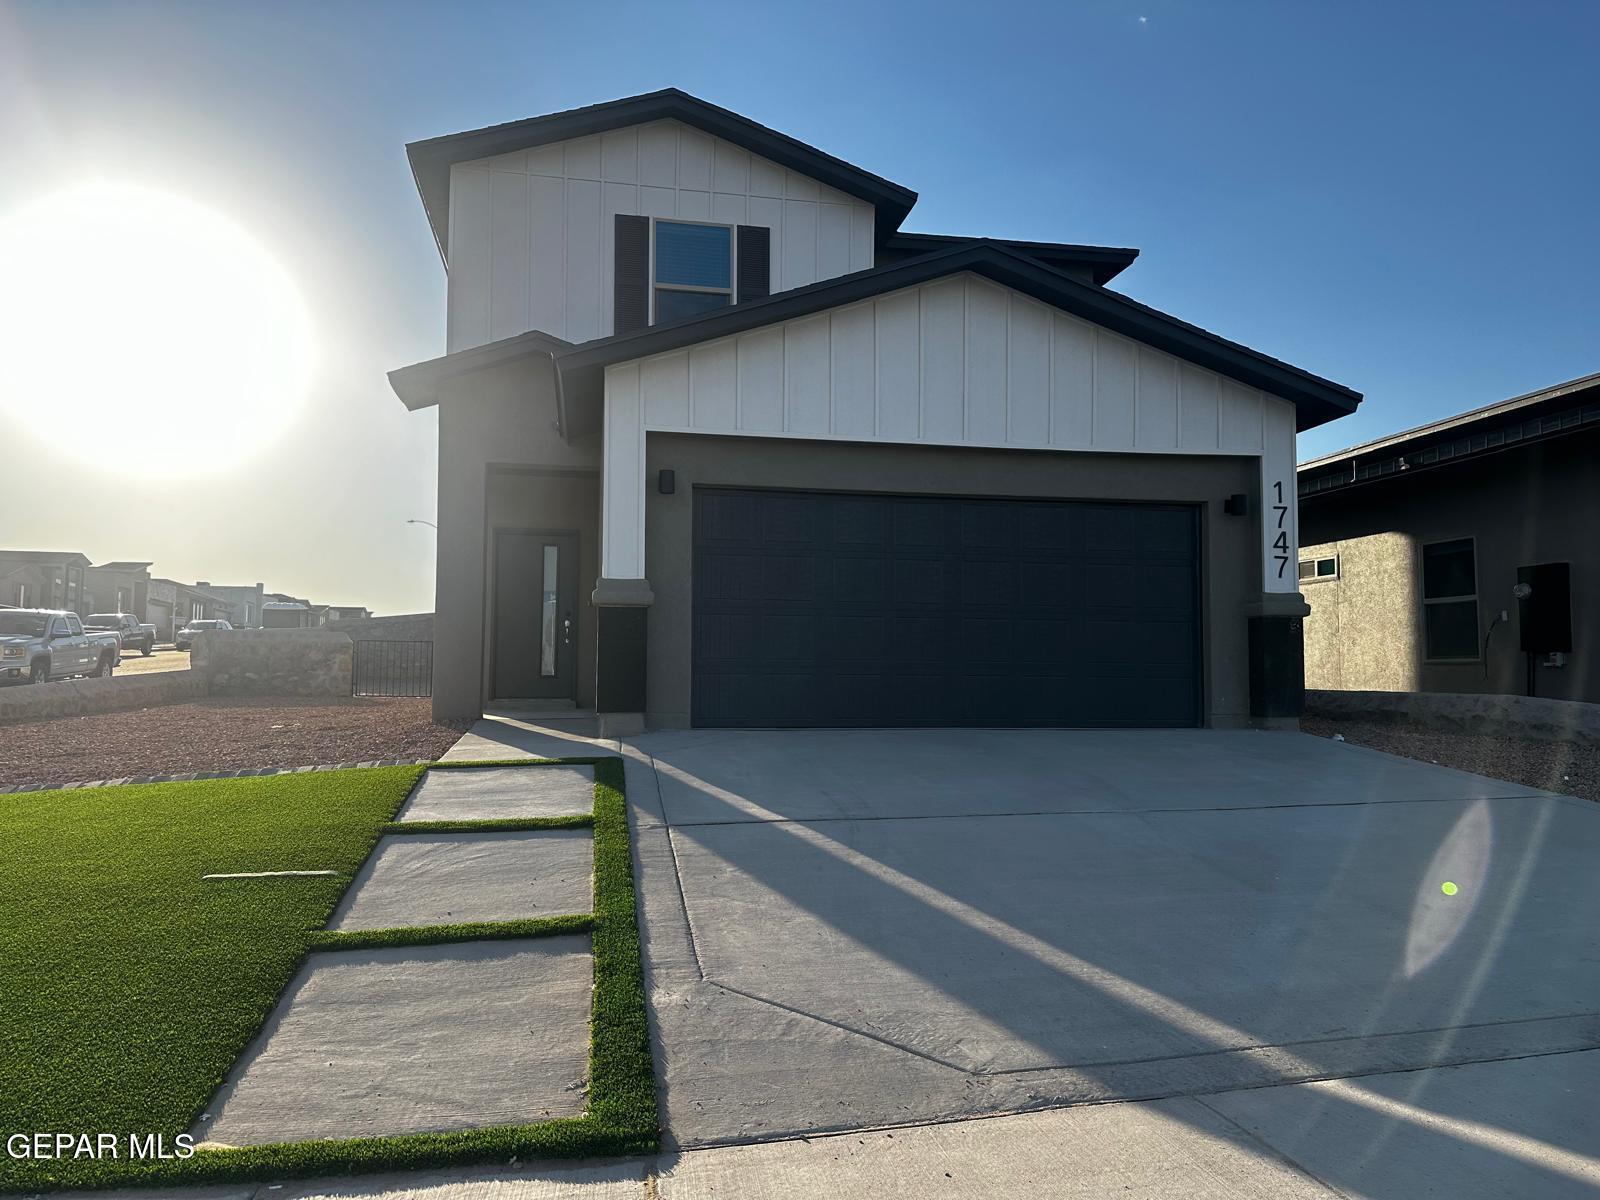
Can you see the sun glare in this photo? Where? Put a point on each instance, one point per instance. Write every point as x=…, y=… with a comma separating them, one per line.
x=146, y=333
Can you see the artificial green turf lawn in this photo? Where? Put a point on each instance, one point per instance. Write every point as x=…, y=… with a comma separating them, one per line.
x=621, y=1119
x=128, y=984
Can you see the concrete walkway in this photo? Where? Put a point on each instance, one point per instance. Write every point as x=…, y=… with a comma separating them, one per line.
x=435, y=1037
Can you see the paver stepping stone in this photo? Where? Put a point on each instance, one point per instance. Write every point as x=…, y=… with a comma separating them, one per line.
x=450, y=878
x=372, y=1042
x=500, y=793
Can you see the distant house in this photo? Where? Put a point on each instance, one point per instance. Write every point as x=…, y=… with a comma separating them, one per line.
x=44, y=579
x=172, y=605
x=246, y=601
x=1416, y=550
x=348, y=612
x=122, y=587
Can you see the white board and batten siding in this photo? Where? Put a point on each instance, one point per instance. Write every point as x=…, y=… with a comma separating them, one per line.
x=531, y=233
x=956, y=362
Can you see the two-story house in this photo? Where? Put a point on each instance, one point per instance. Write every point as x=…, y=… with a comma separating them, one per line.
x=720, y=445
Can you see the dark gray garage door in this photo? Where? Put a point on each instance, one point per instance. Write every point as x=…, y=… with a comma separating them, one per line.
x=828, y=609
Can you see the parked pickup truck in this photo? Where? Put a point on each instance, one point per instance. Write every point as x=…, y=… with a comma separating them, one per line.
x=41, y=644
x=126, y=626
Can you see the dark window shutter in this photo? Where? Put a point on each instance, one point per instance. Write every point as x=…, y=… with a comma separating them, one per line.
x=631, y=274
x=755, y=262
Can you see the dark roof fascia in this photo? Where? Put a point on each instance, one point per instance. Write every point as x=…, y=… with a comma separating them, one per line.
x=418, y=385
x=1471, y=417
x=69, y=557
x=1316, y=400
x=432, y=158
x=1104, y=262
x=1540, y=416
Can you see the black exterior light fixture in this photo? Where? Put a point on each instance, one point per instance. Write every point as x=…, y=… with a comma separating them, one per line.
x=666, y=482
x=1237, y=505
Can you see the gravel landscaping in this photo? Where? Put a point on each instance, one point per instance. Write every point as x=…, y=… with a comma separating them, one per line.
x=220, y=734
x=1571, y=768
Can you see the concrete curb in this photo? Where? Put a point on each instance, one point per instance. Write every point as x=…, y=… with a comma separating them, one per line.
x=14, y=789
x=1535, y=717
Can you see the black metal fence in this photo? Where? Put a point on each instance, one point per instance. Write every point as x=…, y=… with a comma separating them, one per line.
x=380, y=668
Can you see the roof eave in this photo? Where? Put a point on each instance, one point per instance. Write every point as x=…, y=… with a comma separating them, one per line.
x=1316, y=400
x=432, y=158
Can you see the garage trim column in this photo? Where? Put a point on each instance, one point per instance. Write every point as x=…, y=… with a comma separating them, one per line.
x=622, y=595
x=1277, y=619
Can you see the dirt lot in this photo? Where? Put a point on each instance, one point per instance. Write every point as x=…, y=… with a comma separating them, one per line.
x=1567, y=767
x=219, y=735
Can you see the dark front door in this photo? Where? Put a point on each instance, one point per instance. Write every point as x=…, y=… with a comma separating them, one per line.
x=836, y=609
x=535, y=615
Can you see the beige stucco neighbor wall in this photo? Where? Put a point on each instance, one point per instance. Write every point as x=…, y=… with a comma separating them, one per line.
x=1363, y=630
x=273, y=662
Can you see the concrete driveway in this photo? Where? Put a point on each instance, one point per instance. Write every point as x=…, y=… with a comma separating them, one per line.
x=849, y=929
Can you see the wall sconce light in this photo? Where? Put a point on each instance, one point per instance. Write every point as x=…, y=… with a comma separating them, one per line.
x=1237, y=505
x=666, y=482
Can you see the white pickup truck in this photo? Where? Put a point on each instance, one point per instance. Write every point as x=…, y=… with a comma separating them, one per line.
x=41, y=644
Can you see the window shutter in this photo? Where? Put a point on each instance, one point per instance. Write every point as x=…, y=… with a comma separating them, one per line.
x=631, y=274
x=755, y=262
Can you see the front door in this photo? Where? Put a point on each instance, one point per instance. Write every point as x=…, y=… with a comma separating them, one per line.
x=535, y=615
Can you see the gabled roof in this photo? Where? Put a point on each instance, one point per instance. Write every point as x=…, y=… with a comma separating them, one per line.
x=1535, y=416
x=581, y=366
x=432, y=159
x=1104, y=263
x=124, y=566
x=1316, y=400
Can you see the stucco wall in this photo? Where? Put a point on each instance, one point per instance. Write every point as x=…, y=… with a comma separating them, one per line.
x=491, y=419
x=1232, y=575
x=273, y=662
x=1363, y=630
x=1535, y=504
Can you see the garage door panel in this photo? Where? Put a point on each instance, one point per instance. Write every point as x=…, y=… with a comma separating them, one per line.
x=887, y=610
x=922, y=582
x=860, y=522
x=923, y=523
x=989, y=583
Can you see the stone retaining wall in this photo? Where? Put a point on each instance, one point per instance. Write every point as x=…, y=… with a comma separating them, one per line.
x=405, y=627
x=1463, y=712
x=77, y=697
x=273, y=662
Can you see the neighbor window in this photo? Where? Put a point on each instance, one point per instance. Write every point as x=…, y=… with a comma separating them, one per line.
x=693, y=269
x=1450, y=599
x=1319, y=568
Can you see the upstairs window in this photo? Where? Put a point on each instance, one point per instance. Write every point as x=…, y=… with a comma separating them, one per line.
x=1450, y=600
x=693, y=269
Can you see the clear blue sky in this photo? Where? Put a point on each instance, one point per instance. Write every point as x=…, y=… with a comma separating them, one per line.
x=1400, y=196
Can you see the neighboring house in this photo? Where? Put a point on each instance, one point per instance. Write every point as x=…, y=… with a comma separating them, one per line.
x=172, y=605
x=44, y=579
x=122, y=587
x=720, y=445
x=347, y=612
x=246, y=600
x=1415, y=544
